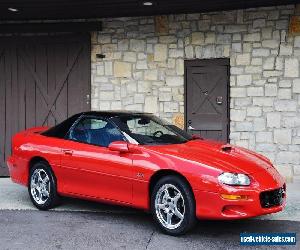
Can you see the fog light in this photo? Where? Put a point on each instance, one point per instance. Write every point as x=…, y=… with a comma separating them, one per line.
x=234, y=197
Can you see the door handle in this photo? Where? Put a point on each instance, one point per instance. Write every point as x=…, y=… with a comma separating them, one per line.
x=219, y=100
x=67, y=152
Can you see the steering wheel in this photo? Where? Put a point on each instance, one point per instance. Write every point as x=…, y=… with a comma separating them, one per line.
x=155, y=134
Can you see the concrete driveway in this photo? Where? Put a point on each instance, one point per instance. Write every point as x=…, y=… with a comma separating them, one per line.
x=87, y=225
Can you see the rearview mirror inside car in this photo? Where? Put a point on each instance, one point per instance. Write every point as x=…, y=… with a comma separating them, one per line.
x=143, y=121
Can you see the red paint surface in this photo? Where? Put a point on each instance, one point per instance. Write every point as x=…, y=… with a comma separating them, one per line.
x=101, y=174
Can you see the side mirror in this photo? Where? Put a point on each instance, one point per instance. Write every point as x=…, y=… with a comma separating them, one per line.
x=119, y=146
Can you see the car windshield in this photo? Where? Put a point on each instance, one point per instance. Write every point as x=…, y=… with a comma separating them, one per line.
x=150, y=130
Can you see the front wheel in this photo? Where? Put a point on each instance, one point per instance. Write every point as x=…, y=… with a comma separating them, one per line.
x=42, y=186
x=173, y=205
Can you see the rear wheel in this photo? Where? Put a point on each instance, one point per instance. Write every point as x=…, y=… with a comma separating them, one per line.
x=173, y=205
x=42, y=186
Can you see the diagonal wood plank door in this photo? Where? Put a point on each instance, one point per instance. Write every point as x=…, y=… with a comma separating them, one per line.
x=43, y=80
x=207, y=99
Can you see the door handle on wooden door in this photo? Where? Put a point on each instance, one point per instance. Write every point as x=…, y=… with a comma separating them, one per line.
x=219, y=100
x=67, y=152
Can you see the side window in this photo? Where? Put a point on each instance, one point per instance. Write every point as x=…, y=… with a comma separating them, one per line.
x=95, y=131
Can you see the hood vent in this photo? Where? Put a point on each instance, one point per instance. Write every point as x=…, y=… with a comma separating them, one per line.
x=227, y=148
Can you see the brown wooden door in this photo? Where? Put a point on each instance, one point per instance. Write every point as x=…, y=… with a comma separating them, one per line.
x=43, y=80
x=206, y=98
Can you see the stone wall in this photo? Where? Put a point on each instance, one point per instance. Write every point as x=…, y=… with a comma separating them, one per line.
x=144, y=70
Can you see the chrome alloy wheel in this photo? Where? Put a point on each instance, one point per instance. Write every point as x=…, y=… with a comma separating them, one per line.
x=40, y=186
x=169, y=206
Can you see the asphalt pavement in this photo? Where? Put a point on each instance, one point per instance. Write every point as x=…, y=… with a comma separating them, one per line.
x=84, y=230
x=88, y=225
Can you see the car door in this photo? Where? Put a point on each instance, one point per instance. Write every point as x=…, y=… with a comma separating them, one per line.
x=90, y=168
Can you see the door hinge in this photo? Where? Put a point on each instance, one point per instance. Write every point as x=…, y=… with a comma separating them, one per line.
x=88, y=99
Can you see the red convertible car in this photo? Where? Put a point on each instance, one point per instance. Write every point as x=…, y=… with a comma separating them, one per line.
x=136, y=159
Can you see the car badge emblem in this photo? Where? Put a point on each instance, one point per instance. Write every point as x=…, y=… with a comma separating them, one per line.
x=140, y=175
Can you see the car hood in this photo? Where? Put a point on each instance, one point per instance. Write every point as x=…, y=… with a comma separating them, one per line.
x=225, y=157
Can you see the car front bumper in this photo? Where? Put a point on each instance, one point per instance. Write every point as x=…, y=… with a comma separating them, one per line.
x=210, y=205
x=257, y=199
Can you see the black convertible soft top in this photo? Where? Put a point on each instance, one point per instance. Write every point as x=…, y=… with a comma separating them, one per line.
x=114, y=113
x=61, y=129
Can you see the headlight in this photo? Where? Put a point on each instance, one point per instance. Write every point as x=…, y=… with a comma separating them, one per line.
x=234, y=179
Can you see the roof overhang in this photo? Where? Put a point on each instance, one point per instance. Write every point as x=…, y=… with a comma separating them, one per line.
x=87, y=9
x=48, y=27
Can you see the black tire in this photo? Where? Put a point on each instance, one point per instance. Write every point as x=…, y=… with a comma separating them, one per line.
x=189, y=215
x=53, y=198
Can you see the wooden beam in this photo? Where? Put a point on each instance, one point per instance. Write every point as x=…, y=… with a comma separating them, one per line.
x=61, y=26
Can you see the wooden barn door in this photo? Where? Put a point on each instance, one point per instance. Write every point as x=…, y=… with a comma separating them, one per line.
x=43, y=80
x=206, y=98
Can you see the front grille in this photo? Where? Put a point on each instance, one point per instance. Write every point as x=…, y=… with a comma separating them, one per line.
x=272, y=198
